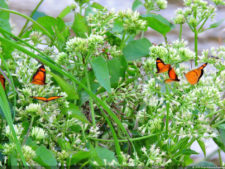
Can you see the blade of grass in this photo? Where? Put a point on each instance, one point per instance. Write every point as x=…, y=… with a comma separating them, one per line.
x=71, y=77
x=116, y=142
x=27, y=21
x=6, y=110
x=28, y=18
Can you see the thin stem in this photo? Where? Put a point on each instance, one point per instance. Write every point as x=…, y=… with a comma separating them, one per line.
x=165, y=38
x=220, y=158
x=122, y=41
x=180, y=34
x=27, y=21
x=28, y=131
x=125, y=140
x=90, y=99
x=196, y=46
x=30, y=19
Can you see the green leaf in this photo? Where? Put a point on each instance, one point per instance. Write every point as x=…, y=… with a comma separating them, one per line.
x=203, y=165
x=117, y=26
x=189, y=152
x=221, y=129
x=158, y=23
x=37, y=15
x=220, y=144
x=97, y=6
x=76, y=113
x=188, y=160
x=101, y=71
x=136, y=49
x=136, y=4
x=216, y=24
x=4, y=17
x=202, y=145
x=64, y=145
x=117, y=68
x=80, y=26
x=80, y=155
x=45, y=157
x=65, y=11
x=66, y=87
x=105, y=155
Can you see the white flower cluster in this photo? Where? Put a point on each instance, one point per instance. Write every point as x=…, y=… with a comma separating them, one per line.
x=18, y=129
x=155, y=157
x=155, y=5
x=38, y=133
x=131, y=21
x=85, y=45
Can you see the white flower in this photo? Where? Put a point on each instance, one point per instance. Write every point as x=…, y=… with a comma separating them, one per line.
x=38, y=133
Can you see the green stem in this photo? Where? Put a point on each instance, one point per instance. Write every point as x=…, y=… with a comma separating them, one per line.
x=122, y=41
x=30, y=19
x=180, y=34
x=27, y=21
x=196, y=46
x=115, y=138
x=125, y=140
x=165, y=38
x=220, y=158
x=90, y=99
x=28, y=131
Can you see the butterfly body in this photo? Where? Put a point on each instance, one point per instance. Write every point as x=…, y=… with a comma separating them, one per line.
x=161, y=66
x=194, y=75
x=2, y=80
x=172, y=76
x=44, y=99
x=39, y=76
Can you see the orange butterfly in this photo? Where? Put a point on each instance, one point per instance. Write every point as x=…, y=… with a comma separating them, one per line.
x=44, y=99
x=39, y=76
x=161, y=66
x=172, y=76
x=194, y=75
x=2, y=80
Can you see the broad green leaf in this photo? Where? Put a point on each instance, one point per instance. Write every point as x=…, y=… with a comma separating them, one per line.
x=80, y=155
x=203, y=164
x=101, y=71
x=76, y=113
x=117, y=67
x=66, y=87
x=136, y=49
x=158, y=23
x=216, y=24
x=80, y=26
x=45, y=157
x=65, y=11
x=38, y=14
x=4, y=17
x=202, y=145
x=136, y=4
x=105, y=155
x=117, y=26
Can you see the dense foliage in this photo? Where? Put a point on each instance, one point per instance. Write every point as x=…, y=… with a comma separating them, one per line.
x=115, y=110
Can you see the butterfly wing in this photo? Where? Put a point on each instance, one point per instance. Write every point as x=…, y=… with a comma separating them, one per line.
x=53, y=98
x=2, y=80
x=40, y=98
x=39, y=77
x=44, y=99
x=161, y=66
x=194, y=75
x=172, y=76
